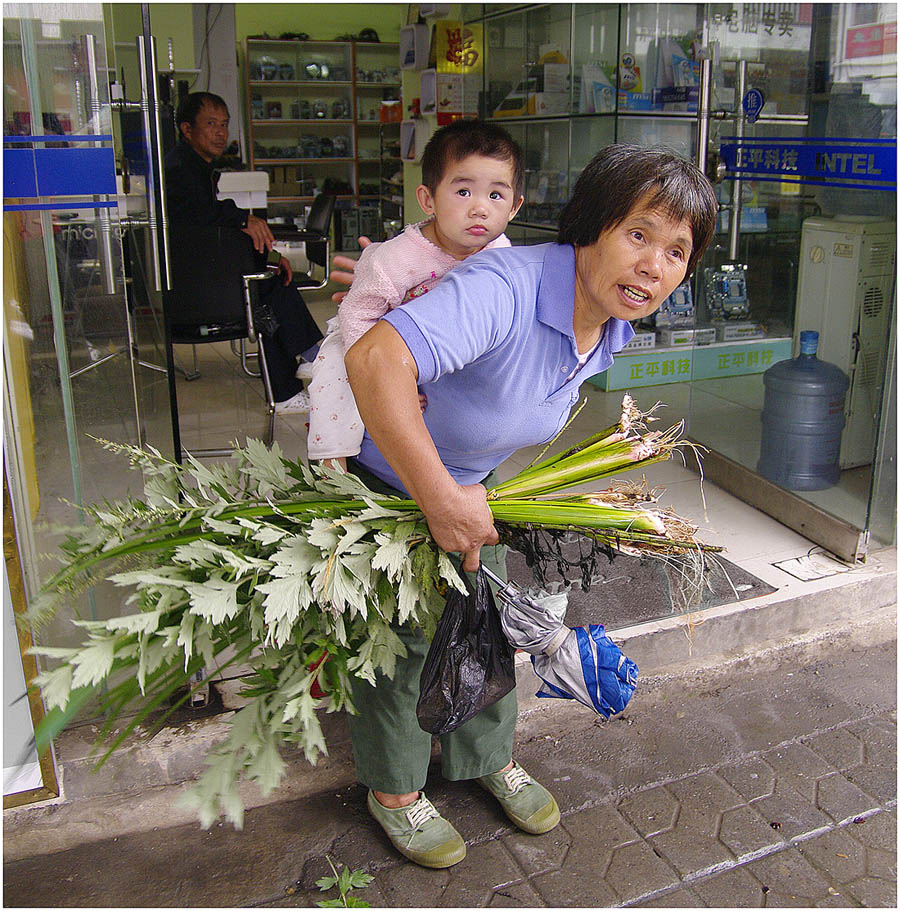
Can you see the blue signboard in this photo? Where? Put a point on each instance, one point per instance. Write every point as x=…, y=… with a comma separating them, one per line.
x=61, y=169
x=753, y=104
x=868, y=164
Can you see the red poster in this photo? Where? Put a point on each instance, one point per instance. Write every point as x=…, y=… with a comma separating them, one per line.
x=872, y=40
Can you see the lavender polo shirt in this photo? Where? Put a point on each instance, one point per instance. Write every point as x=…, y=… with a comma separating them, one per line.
x=494, y=345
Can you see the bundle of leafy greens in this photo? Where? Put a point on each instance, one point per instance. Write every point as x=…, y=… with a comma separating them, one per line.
x=298, y=572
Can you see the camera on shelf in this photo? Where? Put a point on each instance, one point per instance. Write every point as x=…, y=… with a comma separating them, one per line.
x=309, y=146
x=264, y=68
x=315, y=70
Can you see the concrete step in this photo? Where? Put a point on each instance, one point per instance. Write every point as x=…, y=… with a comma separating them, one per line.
x=137, y=789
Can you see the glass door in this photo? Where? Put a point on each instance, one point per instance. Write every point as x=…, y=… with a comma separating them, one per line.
x=791, y=110
x=803, y=128
x=82, y=342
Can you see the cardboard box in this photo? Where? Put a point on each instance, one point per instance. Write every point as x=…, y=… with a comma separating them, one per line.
x=347, y=229
x=640, y=341
x=368, y=222
x=673, y=338
x=730, y=332
x=556, y=77
x=636, y=101
x=548, y=103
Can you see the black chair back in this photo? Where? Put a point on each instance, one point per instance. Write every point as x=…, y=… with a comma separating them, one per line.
x=319, y=222
x=207, y=265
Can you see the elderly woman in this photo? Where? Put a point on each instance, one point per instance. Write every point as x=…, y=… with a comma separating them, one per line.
x=500, y=347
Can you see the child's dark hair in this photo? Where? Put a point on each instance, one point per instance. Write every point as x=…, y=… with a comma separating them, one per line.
x=462, y=138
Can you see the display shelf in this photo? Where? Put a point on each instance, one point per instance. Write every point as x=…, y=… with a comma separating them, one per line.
x=346, y=81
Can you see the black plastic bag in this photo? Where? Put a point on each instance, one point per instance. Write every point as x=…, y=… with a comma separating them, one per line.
x=469, y=665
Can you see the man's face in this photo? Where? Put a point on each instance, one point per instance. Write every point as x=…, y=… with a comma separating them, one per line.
x=208, y=135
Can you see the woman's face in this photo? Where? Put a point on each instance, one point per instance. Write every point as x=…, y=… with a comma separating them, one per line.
x=632, y=268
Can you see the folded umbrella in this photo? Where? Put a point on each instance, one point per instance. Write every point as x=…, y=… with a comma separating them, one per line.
x=580, y=663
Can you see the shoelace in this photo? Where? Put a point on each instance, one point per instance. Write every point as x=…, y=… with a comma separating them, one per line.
x=420, y=812
x=516, y=779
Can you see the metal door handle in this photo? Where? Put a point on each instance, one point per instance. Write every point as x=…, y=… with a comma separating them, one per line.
x=104, y=250
x=156, y=194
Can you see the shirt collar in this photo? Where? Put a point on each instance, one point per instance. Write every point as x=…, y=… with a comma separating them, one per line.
x=556, y=297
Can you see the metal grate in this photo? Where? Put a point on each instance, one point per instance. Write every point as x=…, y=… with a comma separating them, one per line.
x=873, y=301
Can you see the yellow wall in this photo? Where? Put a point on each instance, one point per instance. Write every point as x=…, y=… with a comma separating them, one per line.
x=18, y=349
x=322, y=21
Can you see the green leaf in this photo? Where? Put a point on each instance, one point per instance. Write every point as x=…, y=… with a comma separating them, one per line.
x=331, y=903
x=284, y=599
x=262, y=532
x=214, y=600
x=343, y=590
x=408, y=595
x=147, y=622
x=326, y=883
x=391, y=554
x=161, y=575
x=266, y=467
x=344, y=881
x=359, y=880
x=267, y=767
x=354, y=902
x=93, y=663
x=295, y=556
x=324, y=534
x=56, y=685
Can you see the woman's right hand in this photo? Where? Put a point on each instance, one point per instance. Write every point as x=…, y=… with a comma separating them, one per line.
x=384, y=379
x=343, y=268
x=461, y=521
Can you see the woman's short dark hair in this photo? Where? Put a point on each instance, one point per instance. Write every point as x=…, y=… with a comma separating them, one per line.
x=620, y=175
x=192, y=104
x=462, y=138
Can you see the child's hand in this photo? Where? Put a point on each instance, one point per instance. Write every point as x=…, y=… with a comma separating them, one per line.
x=345, y=266
x=334, y=463
x=423, y=401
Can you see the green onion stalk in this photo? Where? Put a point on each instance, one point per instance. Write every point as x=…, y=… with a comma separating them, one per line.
x=298, y=575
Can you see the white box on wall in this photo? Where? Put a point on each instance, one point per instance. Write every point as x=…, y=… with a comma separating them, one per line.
x=434, y=10
x=248, y=189
x=414, y=41
x=414, y=134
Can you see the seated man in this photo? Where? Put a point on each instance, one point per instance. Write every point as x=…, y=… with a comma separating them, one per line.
x=191, y=196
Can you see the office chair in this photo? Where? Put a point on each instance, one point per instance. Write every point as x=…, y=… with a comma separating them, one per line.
x=317, y=238
x=213, y=270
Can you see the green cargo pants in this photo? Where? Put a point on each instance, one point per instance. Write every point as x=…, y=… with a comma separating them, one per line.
x=391, y=751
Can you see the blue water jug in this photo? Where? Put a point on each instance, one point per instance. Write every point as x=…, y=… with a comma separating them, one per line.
x=803, y=418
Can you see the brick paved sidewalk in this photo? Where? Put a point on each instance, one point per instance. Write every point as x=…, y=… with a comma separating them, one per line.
x=769, y=781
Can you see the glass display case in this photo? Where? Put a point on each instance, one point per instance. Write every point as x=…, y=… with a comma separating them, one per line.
x=377, y=75
x=785, y=83
x=315, y=115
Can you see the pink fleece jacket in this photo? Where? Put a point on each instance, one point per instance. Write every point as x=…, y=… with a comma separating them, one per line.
x=391, y=273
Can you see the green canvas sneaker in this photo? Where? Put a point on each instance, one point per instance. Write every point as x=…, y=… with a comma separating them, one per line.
x=526, y=802
x=420, y=833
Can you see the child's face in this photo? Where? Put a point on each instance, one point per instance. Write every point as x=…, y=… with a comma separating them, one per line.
x=472, y=204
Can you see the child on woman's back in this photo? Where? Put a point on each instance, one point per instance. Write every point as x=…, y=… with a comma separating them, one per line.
x=472, y=178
